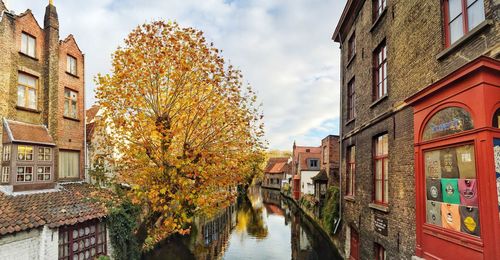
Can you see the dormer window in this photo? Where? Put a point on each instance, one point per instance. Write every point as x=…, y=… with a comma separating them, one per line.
x=71, y=65
x=313, y=163
x=28, y=45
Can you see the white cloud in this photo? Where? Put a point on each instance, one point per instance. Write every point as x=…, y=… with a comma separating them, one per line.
x=283, y=48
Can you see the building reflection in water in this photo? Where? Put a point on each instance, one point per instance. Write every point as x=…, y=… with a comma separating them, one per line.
x=245, y=224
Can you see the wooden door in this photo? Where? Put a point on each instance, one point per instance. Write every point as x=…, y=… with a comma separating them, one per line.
x=354, y=245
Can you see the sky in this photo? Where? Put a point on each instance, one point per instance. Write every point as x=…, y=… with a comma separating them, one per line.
x=283, y=48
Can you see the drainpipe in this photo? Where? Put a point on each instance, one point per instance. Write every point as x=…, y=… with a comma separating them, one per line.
x=340, y=137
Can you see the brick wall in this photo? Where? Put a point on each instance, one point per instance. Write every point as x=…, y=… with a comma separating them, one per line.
x=417, y=57
x=330, y=158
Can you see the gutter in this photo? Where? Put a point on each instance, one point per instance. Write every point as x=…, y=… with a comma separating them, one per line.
x=340, y=139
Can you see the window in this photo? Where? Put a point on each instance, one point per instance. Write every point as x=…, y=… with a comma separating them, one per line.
x=351, y=171
x=26, y=91
x=461, y=16
x=70, y=100
x=351, y=46
x=381, y=169
x=25, y=174
x=44, y=154
x=6, y=153
x=71, y=65
x=380, y=71
x=5, y=174
x=496, y=119
x=313, y=163
x=82, y=241
x=380, y=252
x=351, y=100
x=325, y=154
x=43, y=173
x=448, y=121
x=28, y=44
x=24, y=153
x=378, y=8
x=69, y=166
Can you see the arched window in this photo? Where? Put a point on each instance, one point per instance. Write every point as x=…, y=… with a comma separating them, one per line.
x=448, y=121
x=496, y=119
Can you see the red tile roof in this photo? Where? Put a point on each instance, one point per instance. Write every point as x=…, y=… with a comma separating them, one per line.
x=72, y=204
x=303, y=157
x=91, y=113
x=304, y=149
x=27, y=133
x=276, y=165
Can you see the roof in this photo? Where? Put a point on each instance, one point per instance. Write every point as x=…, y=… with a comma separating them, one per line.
x=303, y=157
x=71, y=205
x=304, y=149
x=321, y=176
x=347, y=18
x=27, y=133
x=90, y=115
x=276, y=165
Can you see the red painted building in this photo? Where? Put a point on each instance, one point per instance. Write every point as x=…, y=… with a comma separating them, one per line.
x=455, y=132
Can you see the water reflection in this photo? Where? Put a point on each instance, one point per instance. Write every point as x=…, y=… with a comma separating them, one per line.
x=261, y=225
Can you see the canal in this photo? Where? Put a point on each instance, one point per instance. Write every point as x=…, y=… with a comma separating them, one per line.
x=261, y=225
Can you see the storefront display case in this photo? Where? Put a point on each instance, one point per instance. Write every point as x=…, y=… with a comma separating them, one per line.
x=457, y=164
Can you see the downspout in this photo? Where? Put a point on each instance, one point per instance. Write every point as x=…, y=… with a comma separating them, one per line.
x=340, y=136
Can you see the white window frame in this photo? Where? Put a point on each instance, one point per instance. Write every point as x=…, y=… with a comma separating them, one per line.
x=28, y=44
x=6, y=152
x=5, y=174
x=24, y=173
x=25, y=153
x=71, y=65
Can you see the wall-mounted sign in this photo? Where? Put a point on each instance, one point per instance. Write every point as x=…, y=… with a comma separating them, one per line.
x=448, y=121
x=380, y=224
x=496, y=155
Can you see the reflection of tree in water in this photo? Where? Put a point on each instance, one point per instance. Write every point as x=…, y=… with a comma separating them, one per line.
x=250, y=219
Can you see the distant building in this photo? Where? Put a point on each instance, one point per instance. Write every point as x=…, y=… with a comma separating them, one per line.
x=330, y=158
x=45, y=211
x=274, y=173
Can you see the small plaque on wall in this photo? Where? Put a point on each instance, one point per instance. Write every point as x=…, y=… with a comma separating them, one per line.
x=380, y=225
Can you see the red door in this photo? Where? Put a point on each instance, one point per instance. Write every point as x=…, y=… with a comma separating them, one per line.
x=354, y=245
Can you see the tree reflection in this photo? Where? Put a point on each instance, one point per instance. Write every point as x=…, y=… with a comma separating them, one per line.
x=250, y=219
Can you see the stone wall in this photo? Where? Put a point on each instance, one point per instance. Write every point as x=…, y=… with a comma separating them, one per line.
x=417, y=57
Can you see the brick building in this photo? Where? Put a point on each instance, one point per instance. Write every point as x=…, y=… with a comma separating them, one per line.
x=330, y=153
x=43, y=202
x=391, y=51
x=305, y=164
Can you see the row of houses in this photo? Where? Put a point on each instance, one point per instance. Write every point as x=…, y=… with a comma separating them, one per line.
x=308, y=171
x=419, y=131
x=46, y=210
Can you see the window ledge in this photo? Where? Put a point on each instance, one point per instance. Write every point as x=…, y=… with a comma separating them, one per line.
x=349, y=198
x=376, y=102
x=28, y=109
x=452, y=48
x=28, y=56
x=377, y=21
x=350, y=121
x=350, y=60
x=72, y=75
x=71, y=118
x=383, y=208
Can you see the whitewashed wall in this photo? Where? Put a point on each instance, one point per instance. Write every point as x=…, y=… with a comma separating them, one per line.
x=306, y=183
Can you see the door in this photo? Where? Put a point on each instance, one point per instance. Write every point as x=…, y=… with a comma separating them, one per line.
x=354, y=245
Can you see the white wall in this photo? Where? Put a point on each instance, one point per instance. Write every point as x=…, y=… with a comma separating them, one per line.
x=306, y=183
x=21, y=246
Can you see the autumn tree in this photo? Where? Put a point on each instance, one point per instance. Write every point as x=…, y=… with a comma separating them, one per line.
x=186, y=128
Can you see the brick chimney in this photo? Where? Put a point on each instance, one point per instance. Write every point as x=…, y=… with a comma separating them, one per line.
x=51, y=81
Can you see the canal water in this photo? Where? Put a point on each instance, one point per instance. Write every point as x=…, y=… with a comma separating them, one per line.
x=262, y=225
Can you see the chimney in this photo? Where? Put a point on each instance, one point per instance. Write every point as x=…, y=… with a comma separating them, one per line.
x=51, y=69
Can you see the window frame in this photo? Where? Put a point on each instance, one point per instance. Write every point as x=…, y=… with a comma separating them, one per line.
x=6, y=152
x=69, y=99
x=26, y=103
x=380, y=50
x=44, y=154
x=71, y=63
x=5, y=178
x=351, y=100
x=309, y=162
x=28, y=38
x=385, y=172
x=351, y=46
x=26, y=154
x=351, y=171
x=24, y=173
x=378, y=9
x=44, y=173
x=67, y=239
x=465, y=19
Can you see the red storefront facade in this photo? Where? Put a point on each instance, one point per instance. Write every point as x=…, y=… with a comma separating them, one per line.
x=456, y=141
